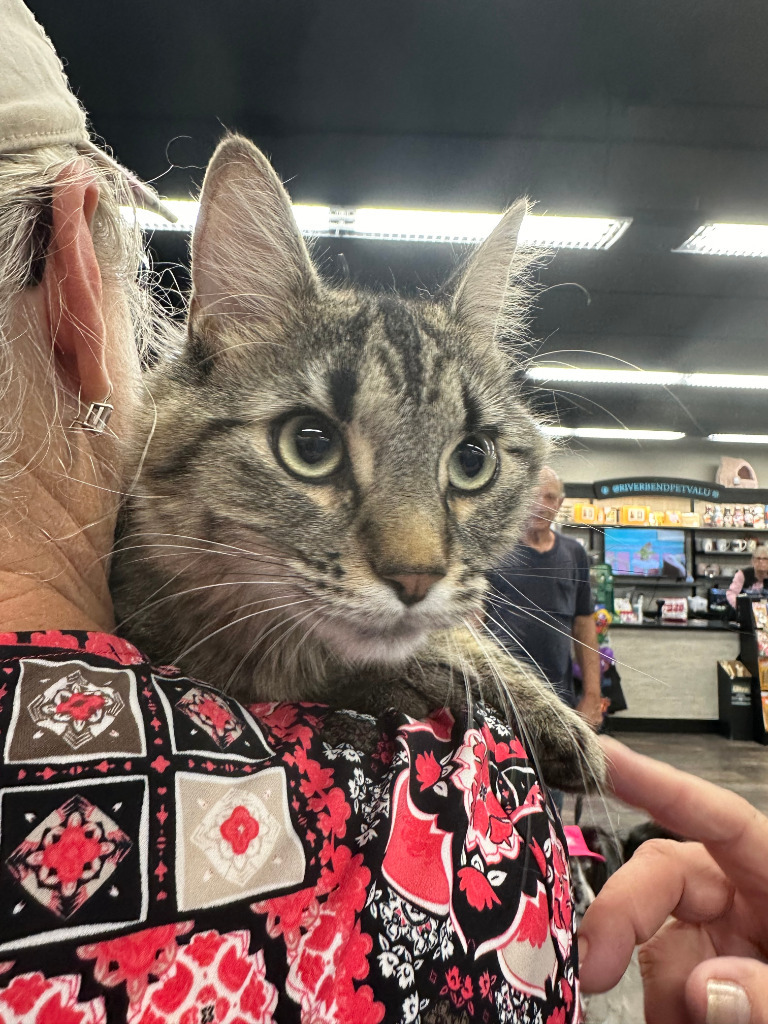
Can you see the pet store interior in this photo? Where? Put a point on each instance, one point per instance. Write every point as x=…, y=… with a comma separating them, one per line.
x=640, y=135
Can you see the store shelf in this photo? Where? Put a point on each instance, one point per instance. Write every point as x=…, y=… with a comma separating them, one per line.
x=643, y=582
x=749, y=530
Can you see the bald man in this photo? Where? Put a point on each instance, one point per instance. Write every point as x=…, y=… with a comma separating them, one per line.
x=540, y=603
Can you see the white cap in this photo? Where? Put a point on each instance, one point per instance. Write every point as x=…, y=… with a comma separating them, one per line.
x=37, y=106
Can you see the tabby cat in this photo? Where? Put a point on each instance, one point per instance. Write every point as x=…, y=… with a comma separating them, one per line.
x=326, y=473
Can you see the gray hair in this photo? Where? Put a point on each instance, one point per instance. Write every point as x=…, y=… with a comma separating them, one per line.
x=26, y=189
x=761, y=551
x=26, y=194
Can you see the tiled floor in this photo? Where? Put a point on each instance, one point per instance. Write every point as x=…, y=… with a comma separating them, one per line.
x=740, y=767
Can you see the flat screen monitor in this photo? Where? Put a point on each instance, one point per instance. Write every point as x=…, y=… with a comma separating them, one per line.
x=641, y=551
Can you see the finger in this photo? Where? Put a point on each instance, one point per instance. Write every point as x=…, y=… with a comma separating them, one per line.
x=728, y=990
x=663, y=878
x=734, y=832
x=666, y=962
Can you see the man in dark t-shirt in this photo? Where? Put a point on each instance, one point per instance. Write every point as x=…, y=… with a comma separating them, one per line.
x=540, y=603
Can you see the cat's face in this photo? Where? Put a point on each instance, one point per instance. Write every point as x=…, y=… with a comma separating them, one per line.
x=375, y=459
x=356, y=460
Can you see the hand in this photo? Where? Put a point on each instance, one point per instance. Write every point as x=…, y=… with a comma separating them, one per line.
x=591, y=707
x=708, y=961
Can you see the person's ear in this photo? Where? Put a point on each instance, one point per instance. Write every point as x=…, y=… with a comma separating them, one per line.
x=72, y=280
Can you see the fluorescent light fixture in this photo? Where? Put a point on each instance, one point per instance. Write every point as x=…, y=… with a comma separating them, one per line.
x=739, y=438
x=578, y=375
x=417, y=225
x=185, y=210
x=432, y=226
x=728, y=240
x=613, y=433
x=312, y=220
x=742, y=381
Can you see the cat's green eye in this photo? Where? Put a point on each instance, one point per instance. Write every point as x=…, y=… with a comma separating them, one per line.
x=473, y=463
x=309, y=446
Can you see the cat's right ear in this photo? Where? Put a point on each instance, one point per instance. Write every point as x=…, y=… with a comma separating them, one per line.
x=249, y=261
x=493, y=294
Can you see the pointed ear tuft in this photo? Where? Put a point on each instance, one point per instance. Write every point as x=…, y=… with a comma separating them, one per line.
x=250, y=265
x=494, y=293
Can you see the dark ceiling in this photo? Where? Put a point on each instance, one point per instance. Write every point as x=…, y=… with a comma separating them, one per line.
x=655, y=110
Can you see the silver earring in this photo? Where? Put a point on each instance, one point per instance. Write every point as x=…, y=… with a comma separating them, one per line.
x=96, y=417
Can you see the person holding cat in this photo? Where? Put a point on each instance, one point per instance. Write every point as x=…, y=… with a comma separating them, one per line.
x=167, y=853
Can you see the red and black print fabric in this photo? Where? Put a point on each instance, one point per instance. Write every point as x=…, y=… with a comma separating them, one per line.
x=167, y=855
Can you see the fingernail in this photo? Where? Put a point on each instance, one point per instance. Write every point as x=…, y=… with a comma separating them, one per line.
x=583, y=949
x=727, y=1003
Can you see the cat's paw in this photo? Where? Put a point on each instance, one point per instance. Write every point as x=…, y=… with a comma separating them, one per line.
x=569, y=754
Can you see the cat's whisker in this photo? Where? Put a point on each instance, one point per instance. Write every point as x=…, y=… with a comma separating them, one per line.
x=301, y=616
x=203, y=550
x=557, y=709
x=294, y=657
x=235, y=622
x=550, y=625
x=259, y=639
x=500, y=625
x=204, y=587
x=509, y=710
x=594, y=781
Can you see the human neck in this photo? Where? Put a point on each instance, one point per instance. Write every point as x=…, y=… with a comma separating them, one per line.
x=540, y=537
x=51, y=572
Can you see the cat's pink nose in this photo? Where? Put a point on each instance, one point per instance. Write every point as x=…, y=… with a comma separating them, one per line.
x=412, y=587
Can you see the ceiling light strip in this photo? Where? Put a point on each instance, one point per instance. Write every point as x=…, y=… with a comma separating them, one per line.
x=739, y=438
x=644, y=378
x=720, y=239
x=416, y=225
x=612, y=433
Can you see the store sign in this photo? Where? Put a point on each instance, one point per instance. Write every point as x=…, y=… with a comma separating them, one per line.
x=741, y=695
x=624, y=488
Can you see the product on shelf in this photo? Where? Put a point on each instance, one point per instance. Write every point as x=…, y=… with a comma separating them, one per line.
x=674, y=609
x=601, y=579
x=760, y=612
x=584, y=512
x=635, y=515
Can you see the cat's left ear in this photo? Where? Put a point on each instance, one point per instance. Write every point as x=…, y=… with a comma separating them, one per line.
x=493, y=294
x=249, y=260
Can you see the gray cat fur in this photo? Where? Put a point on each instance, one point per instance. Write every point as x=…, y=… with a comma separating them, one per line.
x=275, y=588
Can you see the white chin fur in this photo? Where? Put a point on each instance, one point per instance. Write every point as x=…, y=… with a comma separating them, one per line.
x=361, y=648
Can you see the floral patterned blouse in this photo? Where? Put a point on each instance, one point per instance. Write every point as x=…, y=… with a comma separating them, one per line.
x=168, y=855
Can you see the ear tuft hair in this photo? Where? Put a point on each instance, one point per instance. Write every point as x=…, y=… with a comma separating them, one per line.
x=494, y=293
x=249, y=261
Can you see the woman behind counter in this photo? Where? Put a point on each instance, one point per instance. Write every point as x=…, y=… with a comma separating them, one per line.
x=754, y=577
